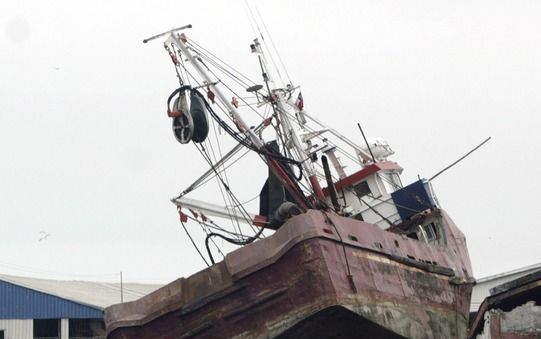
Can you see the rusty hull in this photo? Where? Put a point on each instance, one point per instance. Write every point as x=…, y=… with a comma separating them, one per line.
x=318, y=276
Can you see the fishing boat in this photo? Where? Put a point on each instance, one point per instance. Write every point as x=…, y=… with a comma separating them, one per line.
x=331, y=253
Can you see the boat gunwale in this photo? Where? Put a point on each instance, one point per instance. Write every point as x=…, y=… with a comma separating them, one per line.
x=191, y=295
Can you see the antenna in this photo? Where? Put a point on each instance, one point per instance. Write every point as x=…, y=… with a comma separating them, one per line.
x=250, y=18
x=274, y=47
x=367, y=145
x=460, y=159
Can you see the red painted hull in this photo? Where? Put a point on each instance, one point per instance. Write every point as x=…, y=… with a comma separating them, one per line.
x=316, y=277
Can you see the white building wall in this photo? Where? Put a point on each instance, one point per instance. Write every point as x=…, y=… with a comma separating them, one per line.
x=17, y=328
x=482, y=289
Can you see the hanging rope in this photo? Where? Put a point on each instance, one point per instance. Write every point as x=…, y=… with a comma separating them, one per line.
x=231, y=240
x=193, y=243
x=210, y=228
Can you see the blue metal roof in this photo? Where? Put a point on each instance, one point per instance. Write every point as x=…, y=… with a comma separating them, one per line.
x=17, y=302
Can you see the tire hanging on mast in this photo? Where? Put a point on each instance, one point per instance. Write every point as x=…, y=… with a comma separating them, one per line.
x=188, y=124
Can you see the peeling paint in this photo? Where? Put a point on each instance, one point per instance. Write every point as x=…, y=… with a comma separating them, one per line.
x=295, y=284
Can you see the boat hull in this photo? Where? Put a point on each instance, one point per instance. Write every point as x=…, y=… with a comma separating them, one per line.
x=317, y=276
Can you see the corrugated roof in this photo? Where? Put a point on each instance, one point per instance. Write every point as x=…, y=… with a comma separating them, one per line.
x=18, y=302
x=96, y=294
x=509, y=273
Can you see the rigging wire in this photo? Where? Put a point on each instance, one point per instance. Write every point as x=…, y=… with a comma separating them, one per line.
x=193, y=243
x=206, y=226
x=273, y=46
x=189, y=74
x=243, y=99
x=244, y=141
x=226, y=198
x=220, y=173
x=395, y=204
x=391, y=224
x=237, y=95
x=214, y=161
x=389, y=181
x=213, y=226
x=460, y=159
x=246, y=8
x=226, y=187
x=209, y=225
x=338, y=147
x=200, y=55
x=241, y=239
x=210, y=178
x=231, y=240
x=245, y=214
x=249, y=200
x=266, y=47
x=342, y=151
x=328, y=220
x=206, y=229
x=235, y=135
x=263, y=152
x=223, y=62
x=312, y=129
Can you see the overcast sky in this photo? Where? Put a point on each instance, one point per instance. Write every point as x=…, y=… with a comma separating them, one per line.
x=87, y=153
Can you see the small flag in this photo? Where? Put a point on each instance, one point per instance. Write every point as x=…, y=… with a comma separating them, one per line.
x=235, y=102
x=300, y=102
x=210, y=94
x=183, y=38
x=183, y=217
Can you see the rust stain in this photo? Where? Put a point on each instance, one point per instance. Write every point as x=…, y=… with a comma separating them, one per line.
x=286, y=285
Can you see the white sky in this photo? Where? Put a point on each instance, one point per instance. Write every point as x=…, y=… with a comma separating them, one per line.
x=87, y=153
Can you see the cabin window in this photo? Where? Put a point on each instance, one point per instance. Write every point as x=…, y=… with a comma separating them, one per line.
x=1, y=334
x=362, y=189
x=396, y=179
x=431, y=232
x=388, y=182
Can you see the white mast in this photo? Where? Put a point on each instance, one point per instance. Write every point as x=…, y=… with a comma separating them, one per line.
x=289, y=133
x=256, y=141
x=232, y=110
x=364, y=157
